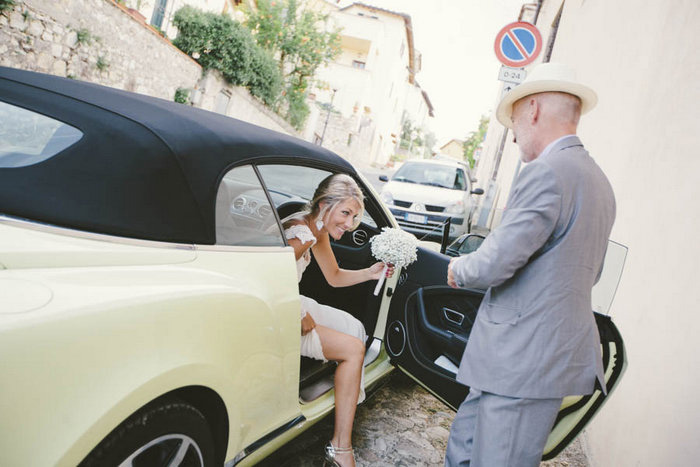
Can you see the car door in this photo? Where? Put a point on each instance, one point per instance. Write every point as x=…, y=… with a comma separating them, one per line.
x=429, y=324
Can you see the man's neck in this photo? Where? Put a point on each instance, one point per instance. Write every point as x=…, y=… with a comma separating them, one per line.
x=554, y=133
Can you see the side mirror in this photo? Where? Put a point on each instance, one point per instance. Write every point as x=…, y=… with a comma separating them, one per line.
x=470, y=243
x=384, y=178
x=477, y=191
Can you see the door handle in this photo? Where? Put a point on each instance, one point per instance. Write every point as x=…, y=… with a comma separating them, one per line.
x=449, y=336
x=453, y=316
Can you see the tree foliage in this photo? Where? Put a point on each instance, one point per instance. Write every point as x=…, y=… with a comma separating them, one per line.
x=416, y=140
x=474, y=140
x=220, y=43
x=299, y=40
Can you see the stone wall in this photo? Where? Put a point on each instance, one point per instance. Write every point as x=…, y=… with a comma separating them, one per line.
x=105, y=43
x=213, y=93
x=350, y=137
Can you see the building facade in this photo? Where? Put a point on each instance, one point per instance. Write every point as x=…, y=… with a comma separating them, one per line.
x=370, y=89
x=454, y=148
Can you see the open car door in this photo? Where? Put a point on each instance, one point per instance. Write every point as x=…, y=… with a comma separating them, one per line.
x=429, y=324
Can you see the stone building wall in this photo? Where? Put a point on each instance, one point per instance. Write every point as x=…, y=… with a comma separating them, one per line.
x=103, y=42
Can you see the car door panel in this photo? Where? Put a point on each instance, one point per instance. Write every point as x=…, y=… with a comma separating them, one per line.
x=428, y=328
x=422, y=330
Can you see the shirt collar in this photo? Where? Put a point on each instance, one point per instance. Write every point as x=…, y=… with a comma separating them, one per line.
x=551, y=145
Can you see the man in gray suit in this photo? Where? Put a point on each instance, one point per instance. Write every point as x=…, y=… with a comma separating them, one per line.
x=535, y=339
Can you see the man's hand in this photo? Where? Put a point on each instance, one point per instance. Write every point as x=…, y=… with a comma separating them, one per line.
x=307, y=324
x=450, y=276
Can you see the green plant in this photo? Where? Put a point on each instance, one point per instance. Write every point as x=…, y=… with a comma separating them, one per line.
x=101, y=63
x=265, y=80
x=7, y=5
x=26, y=15
x=158, y=30
x=84, y=36
x=297, y=109
x=223, y=44
x=474, y=140
x=300, y=43
x=182, y=96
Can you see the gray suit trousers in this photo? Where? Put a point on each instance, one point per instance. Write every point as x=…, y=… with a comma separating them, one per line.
x=498, y=431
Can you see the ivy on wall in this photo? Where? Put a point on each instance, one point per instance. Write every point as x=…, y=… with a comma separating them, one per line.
x=220, y=43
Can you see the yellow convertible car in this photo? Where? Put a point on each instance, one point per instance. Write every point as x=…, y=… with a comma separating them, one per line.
x=149, y=303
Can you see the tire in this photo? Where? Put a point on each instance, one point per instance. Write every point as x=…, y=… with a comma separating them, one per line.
x=169, y=432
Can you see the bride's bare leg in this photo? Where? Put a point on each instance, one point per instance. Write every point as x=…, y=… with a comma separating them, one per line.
x=349, y=352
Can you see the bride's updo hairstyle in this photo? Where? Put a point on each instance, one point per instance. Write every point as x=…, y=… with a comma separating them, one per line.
x=333, y=190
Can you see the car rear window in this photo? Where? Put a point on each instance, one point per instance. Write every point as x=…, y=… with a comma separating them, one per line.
x=28, y=138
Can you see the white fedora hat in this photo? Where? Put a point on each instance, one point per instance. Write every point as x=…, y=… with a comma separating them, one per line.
x=546, y=77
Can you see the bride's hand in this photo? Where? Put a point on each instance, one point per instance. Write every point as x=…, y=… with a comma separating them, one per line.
x=307, y=324
x=375, y=271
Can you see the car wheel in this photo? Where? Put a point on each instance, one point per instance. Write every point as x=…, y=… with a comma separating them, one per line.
x=169, y=433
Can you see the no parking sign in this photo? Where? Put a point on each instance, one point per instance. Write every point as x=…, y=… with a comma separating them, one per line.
x=518, y=44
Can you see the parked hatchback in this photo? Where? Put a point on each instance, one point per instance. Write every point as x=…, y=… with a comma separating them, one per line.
x=149, y=303
x=423, y=194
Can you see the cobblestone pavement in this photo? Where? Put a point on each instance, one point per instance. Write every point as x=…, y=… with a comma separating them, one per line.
x=400, y=425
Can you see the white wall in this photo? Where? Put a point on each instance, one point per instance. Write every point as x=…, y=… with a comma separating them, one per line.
x=643, y=61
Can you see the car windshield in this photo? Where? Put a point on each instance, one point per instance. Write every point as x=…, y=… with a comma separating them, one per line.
x=442, y=176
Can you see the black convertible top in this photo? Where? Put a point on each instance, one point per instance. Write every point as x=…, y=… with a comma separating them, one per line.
x=145, y=167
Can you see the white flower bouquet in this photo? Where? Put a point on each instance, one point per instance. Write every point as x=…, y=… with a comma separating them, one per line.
x=393, y=246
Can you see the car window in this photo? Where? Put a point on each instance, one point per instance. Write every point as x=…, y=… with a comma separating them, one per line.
x=442, y=176
x=291, y=186
x=243, y=213
x=28, y=138
x=604, y=290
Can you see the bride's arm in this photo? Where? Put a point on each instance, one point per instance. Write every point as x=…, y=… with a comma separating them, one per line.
x=299, y=247
x=338, y=277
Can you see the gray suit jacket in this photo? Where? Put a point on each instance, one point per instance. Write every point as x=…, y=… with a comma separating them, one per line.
x=535, y=335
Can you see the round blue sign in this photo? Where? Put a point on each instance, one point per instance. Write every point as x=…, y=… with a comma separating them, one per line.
x=518, y=44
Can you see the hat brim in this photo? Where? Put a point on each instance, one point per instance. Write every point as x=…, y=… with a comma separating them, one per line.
x=505, y=107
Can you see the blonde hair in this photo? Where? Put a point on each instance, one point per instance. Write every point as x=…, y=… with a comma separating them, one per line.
x=332, y=191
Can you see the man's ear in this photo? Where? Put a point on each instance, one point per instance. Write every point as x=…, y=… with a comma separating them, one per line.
x=534, y=110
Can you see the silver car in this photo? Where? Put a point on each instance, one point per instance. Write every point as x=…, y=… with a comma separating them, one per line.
x=424, y=194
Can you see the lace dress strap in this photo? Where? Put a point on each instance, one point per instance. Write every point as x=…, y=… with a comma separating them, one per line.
x=300, y=231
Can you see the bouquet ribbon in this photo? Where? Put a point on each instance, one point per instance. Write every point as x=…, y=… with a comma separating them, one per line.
x=380, y=282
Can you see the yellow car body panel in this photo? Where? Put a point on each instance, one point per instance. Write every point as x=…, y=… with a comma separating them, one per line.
x=111, y=338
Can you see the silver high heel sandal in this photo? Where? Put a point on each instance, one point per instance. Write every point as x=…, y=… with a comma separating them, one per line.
x=330, y=452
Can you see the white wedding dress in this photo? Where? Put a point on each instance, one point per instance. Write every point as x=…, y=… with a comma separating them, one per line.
x=322, y=314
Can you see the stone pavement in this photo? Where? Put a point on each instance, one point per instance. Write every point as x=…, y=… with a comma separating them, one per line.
x=399, y=425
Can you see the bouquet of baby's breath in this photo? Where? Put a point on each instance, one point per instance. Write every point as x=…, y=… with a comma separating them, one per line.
x=393, y=246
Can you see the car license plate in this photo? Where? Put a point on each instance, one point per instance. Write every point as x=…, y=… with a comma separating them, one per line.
x=417, y=218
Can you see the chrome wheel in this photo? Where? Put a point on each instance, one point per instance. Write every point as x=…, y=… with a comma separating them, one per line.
x=165, y=433
x=173, y=450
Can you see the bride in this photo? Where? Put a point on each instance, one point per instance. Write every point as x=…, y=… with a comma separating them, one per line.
x=329, y=333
